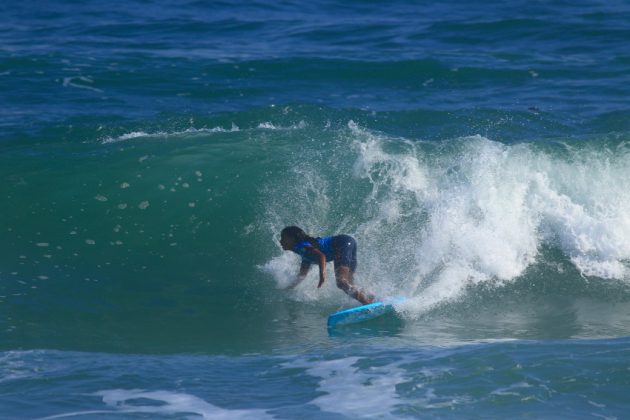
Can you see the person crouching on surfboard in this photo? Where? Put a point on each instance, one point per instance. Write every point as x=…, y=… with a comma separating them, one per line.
x=342, y=249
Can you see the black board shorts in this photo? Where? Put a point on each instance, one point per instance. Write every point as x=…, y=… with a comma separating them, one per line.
x=345, y=251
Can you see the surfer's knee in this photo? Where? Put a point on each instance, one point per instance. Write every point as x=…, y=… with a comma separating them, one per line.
x=343, y=273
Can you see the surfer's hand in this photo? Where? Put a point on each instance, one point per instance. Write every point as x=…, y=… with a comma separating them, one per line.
x=321, y=282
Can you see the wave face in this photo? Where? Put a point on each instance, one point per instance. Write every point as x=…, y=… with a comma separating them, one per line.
x=186, y=222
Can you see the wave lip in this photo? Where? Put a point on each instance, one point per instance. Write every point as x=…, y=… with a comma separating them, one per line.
x=162, y=134
x=194, y=131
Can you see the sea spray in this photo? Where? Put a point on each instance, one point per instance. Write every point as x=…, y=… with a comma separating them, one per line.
x=434, y=218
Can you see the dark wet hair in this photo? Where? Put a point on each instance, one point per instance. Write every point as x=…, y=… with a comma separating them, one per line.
x=299, y=235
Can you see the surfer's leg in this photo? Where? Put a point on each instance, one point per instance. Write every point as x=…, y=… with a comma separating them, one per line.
x=345, y=248
x=345, y=282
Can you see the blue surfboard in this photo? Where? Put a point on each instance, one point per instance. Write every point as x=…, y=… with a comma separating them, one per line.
x=363, y=313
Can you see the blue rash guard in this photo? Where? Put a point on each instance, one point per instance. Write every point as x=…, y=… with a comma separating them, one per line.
x=323, y=244
x=342, y=249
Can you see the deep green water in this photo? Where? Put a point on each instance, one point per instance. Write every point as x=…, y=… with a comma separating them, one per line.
x=150, y=153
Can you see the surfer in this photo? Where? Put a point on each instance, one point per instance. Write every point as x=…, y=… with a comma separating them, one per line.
x=342, y=249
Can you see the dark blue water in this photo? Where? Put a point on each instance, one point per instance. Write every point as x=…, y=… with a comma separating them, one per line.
x=150, y=153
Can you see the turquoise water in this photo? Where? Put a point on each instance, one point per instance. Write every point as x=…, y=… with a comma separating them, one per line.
x=150, y=153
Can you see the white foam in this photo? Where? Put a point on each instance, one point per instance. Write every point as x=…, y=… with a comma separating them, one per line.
x=283, y=270
x=173, y=403
x=482, y=211
x=129, y=136
x=512, y=390
x=164, y=403
x=270, y=126
x=70, y=82
x=163, y=134
x=353, y=391
x=397, y=174
x=479, y=225
x=193, y=131
x=586, y=206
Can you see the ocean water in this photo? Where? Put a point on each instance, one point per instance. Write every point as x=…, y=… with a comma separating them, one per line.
x=151, y=152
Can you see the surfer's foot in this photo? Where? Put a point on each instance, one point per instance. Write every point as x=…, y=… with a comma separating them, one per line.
x=345, y=283
x=364, y=298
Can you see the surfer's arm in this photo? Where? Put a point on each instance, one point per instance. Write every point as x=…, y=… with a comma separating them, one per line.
x=322, y=265
x=316, y=254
